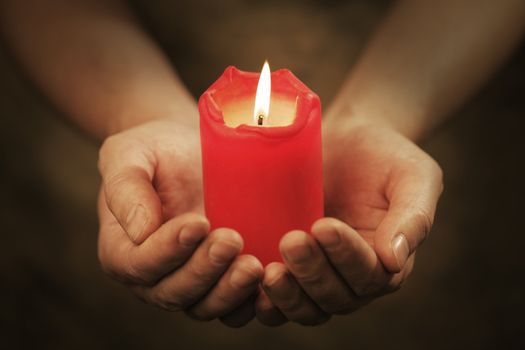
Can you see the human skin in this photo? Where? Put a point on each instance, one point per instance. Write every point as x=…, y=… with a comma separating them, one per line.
x=381, y=189
x=381, y=195
x=426, y=58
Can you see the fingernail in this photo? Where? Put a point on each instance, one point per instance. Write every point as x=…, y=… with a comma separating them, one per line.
x=242, y=279
x=221, y=252
x=330, y=239
x=279, y=286
x=400, y=249
x=136, y=221
x=298, y=254
x=274, y=282
x=189, y=236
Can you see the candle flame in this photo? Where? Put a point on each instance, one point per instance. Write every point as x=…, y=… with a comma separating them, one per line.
x=261, y=109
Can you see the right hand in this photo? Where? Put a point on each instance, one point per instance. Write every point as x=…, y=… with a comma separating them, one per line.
x=153, y=235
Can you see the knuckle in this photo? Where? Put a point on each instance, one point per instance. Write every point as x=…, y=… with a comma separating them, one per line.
x=109, y=271
x=104, y=151
x=114, y=146
x=119, y=265
x=334, y=303
x=423, y=221
x=275, y=282
x=327, y=300
x=196, y=220
x=439, y=175
x=199, y=314
x=310, y=278
x=437, y=169
x=294, y=239
x=200, y=273
x=107, y=144
x=393, y=285
x=265, y=313
x=140, y=294
x=322, y=223
x=169, y=305
x=409, y=266
x=292, y=305
x=113, y=185
x=171, y=301
x=159, y=298
x=131, y=270
x=246, y=280
x=222, y=253
x=136, y=274
x=368, y=288
x=102, y=256
x=246, y=271
x=224, y=299
x=106, y=262
x=227, y=237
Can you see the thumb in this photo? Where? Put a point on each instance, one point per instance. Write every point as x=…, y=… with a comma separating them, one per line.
x=127, y=172
x=413, y=200
x=131, y=198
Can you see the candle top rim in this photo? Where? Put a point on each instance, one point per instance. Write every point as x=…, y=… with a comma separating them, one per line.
x=282, y=79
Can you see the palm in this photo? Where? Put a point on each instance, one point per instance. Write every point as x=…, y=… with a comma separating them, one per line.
x=362, y=164
x=170, y=154
x=377, y=183
x=177, y=177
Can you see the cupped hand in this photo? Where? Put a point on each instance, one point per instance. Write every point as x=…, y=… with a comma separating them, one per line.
x=381, y=196
x=153, y=235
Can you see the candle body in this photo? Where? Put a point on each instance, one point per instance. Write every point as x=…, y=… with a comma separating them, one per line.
x=261, y=181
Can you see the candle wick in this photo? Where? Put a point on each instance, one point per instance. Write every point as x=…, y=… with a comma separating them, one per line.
x=260, y=119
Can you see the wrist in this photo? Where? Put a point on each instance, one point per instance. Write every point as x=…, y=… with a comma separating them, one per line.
x=345, y=114
x=356, y=108
x=184, y=114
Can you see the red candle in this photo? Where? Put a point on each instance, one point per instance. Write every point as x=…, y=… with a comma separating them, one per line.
x=262, y=165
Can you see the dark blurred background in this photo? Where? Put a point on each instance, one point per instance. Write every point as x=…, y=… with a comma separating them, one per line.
x=466, y=291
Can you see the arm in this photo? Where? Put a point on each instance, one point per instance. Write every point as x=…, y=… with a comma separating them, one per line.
x=426, y=59
x=380, y=188
x=93, y=60
x=102, y=70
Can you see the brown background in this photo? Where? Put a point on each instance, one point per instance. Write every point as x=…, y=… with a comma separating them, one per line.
x=466, y=291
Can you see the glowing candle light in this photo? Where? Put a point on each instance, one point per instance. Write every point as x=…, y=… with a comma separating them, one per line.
x=261, y=107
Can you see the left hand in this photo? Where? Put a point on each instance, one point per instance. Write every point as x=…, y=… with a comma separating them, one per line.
x=382, y=191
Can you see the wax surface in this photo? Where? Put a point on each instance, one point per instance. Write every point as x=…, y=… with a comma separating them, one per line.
x=262, y=181
x=282, y=112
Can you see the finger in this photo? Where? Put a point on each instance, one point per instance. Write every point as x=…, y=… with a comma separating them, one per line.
x=241, y=316
x=168, y=248
x=287, y=295
x=354, y=259
x=127, y=175
x=238, y=283
x=413, y=201
x=189, y=283
x=310, y=268
x=267, y=313
x=396, y=280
